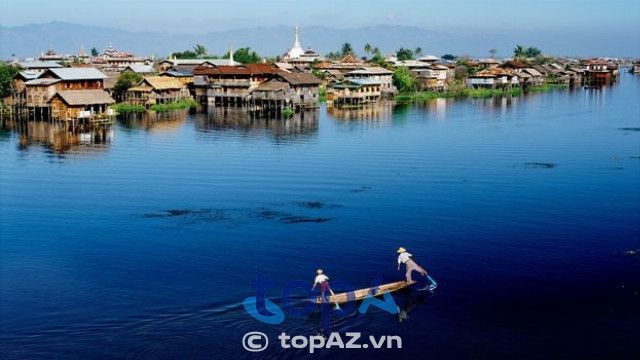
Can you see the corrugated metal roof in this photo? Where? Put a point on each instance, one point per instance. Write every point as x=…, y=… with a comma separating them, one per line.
x=370, y=70
x=31, y=74
x=411, y=63
x=350, y=82
x=46, y=81
x=78, y=73
x=140, y=69
x=364, y=81
x=216, y=62
x=39, y=64
x=176, y=73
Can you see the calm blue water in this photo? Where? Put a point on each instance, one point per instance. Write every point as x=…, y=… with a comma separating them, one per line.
x=140, y=240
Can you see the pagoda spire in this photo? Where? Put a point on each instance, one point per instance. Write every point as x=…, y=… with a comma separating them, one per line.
x=296, y=39
x=296, y=50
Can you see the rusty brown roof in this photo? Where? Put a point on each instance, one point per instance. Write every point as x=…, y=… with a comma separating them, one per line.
x=246, y=69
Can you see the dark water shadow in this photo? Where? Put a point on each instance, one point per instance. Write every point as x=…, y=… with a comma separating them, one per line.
x=539, y=165
x=209, y=215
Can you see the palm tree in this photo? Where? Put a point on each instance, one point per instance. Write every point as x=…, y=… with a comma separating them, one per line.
x=532, y=52
x=417, y=51
x=200, y=50
x=368, y=48
x=519, y=51
x=346, y=49
x=493, y=53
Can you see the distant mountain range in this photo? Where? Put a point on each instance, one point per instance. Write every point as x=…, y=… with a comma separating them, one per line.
x=31, y=40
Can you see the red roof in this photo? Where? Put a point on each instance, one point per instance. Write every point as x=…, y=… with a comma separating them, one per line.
x=245, y=69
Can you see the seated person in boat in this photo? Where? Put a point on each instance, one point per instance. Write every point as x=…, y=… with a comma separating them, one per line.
x=405, y=258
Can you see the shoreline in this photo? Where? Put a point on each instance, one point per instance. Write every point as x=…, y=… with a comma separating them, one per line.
x=465, y=92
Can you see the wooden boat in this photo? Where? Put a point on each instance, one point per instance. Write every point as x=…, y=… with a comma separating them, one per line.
x=360, y=294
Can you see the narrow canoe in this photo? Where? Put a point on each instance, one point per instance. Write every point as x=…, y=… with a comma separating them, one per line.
x=360, y=294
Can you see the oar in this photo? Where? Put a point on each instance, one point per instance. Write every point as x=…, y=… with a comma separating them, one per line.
x=337, y=307
x=434, y=284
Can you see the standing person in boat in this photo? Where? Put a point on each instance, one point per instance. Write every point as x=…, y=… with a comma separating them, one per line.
x=322, y=280
x=405, y=258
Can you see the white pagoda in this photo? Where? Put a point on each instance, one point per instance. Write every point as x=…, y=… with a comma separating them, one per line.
x=296, y=50
x=297, y=55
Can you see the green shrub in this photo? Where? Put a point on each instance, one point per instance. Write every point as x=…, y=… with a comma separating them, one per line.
x=287, y=112
x=123, y=108
x=187, y=103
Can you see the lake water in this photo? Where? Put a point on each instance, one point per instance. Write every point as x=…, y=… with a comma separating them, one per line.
x=141, y=239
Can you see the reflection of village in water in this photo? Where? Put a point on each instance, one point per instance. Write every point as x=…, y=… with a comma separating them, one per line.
x=63, y=137
x=376, y=113
x=300, y=124
x=153, y=121
x=387, y=112
x=60, y=137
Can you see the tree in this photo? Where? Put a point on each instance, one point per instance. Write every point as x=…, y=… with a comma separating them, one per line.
x=532, y=52
x=187, y=54
x=403, y=79
x=346, y=49
x=7, y=72
x=245, y=55
x=417, y=51
x=493, y=53
x=379, y=59
x=200, y=50
x=333, y=55
x=404, y=54
x=94, y=51
x=526, y=52
x=448, y=57
x=125, y=81
x=319, y=74
x=368, y=48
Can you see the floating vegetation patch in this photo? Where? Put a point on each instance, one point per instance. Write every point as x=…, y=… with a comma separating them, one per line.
x=190, y=216
x=630, y=129
x=302, y=219
x=360, y=189
x=316, y=205
x=539, y=165
x=268, y=214
x=181, y=212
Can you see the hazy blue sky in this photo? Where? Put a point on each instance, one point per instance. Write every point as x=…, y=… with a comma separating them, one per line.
x=207, y=15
